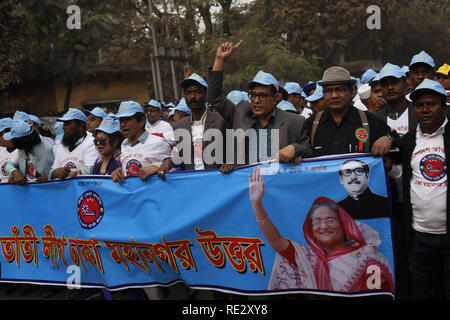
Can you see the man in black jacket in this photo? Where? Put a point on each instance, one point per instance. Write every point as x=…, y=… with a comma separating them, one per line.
x=398, y=114
x=426, y=218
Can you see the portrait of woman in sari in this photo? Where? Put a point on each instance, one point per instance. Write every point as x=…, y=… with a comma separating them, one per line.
x=342, y=255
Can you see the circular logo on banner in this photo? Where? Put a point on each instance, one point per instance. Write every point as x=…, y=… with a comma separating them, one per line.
x=70, y=166
x=361, y=134
x=90, y=209
x=433, y=167
x=133, y=168
x=30, y=171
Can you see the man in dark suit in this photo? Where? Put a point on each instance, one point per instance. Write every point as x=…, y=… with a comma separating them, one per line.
x=361, y=202
x=269, y=133
x=200, y=136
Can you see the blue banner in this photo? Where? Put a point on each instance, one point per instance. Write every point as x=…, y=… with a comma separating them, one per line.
x=201, y=228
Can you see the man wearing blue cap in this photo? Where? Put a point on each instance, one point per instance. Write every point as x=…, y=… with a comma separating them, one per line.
x=316, y=101
x=295, y=97
x=368, y=76
x=376, y=101
x=259, y=116
x=155, y=124
x=398, y=113
x=77, y=151
x=421, y=67
x=7, y=149
x=399, y=116
x=34, y=158
x=194, y=128
x=181, y=110
x=95, y=117
x=426, y=195
x=142, y=153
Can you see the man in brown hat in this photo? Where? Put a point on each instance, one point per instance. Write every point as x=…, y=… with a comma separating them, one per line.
x=341, y=128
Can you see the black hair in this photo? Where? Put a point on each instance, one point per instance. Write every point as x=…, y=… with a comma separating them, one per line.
x=28, y=142
x=115, y=136
x=320, y=204
x=363, y=164
x=434, y=93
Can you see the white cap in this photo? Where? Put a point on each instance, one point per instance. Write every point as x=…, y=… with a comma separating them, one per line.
x=364, y=91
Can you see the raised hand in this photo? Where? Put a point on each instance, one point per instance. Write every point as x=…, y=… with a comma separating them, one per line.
x=225, y=50
x=256, y=186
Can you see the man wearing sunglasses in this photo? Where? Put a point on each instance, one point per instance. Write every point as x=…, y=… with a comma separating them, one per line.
x=258, y=118
x=361, y=202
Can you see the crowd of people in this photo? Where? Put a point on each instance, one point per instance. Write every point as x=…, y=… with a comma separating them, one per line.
x=398, y=113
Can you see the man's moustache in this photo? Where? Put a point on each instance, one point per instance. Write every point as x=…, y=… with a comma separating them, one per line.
x=354, y=181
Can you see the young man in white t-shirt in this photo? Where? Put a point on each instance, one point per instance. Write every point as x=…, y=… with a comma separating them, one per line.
x=155, y=125
x=76, y=153
x=142, y=153
x=425, y=192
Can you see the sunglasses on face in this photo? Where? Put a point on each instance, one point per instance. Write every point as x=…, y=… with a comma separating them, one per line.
x=101, y=142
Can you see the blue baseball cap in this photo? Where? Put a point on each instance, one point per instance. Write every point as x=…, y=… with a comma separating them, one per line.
x=20, y=115
x=375, y=80
x=368, y=76
x=405, y=69
x=428, y=85
x=6, y=123
x=265, y=79
x=309, y=86
x=109, y=125
x=171, y=113
x=286, y=106
x=317, y=95
x=35, y=119
x=153, y=103
x=170, y=105
x=58, y=130
x=391, y=70
x=19, y=129
x=422, y=57
x=193, y=80
x=73, y=114
x=128, y=109
x=182, y=106
x=98, y=112
x=293, y=87
x=237, y=96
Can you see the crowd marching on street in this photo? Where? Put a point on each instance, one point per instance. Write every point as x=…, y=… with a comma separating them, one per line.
x=403, y=111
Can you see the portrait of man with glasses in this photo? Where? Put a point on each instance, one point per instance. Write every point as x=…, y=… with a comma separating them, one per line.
x=361, y=202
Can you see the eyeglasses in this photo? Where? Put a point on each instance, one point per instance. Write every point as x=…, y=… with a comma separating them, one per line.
x=151, y=110
x=328, y=221
x=357, y=171
x=339, y=91
x=101, y=142
x=262, y=96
